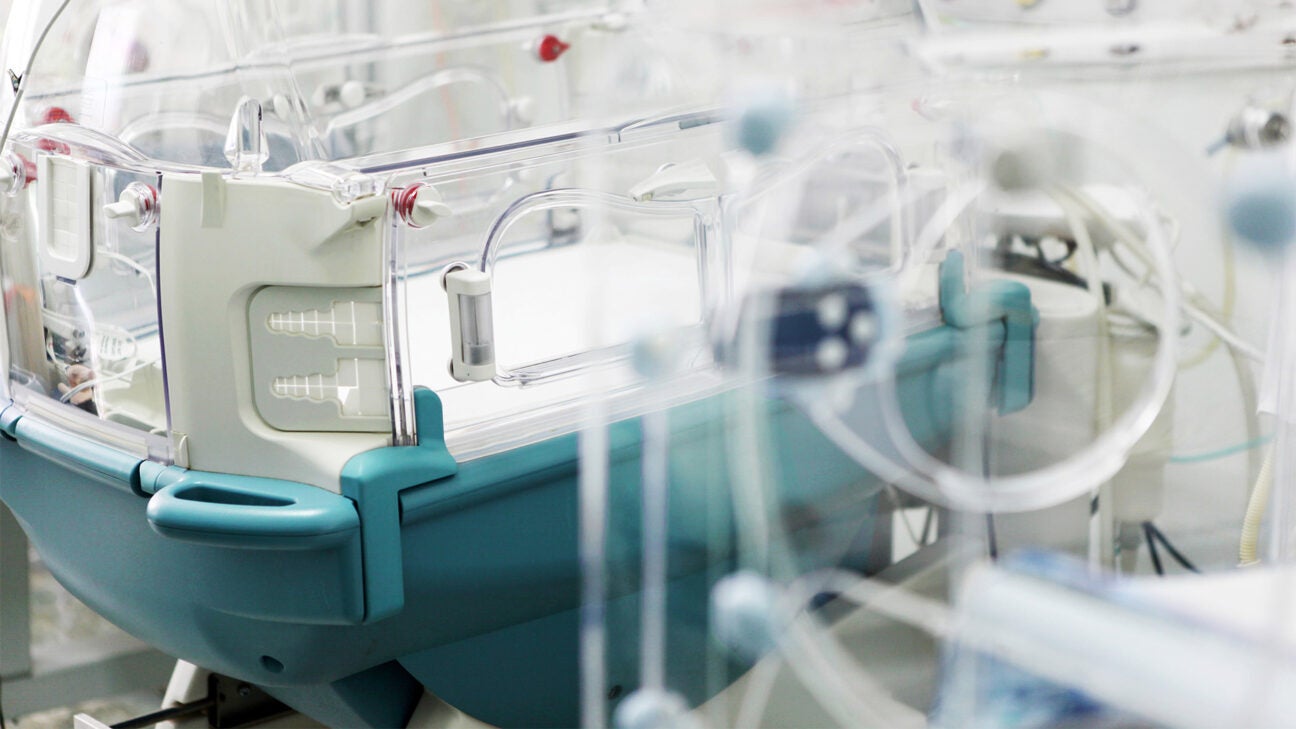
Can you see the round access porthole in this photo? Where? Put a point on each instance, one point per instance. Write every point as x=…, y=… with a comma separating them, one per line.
x=271, y=664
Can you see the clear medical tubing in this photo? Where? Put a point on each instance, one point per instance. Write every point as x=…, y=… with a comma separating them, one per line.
x=838, y=240
x=836, y=680
x=568, y=198
x=1280, y=541
x=593, y=489
x=564, y=198
x=655, y=496
x=427, y=84
x=1146, y=158
x=930, y=478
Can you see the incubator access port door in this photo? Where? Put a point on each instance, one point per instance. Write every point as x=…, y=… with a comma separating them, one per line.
x=549, y=324
x=80, y=301
x=577, y=262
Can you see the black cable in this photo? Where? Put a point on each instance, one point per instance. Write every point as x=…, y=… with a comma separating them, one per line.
x=1152, y=548
x=1040, y=267
x=174, y=712
x=1071, y=248
x=922, y=540
x=1175, y=553
x=992, y=540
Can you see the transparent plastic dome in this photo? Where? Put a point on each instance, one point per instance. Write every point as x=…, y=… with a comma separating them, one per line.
x=348, y=105
x=333, y=80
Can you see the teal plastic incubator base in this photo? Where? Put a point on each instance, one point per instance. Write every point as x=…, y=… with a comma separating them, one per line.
x=461, y=578
x=476, y=575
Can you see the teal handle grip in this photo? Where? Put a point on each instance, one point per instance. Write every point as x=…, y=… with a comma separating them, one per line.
x=252, y=513
x=1007, y=302
x=104, y=463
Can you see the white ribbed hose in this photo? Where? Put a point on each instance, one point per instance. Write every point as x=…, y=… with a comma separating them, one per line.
x=1248, y=550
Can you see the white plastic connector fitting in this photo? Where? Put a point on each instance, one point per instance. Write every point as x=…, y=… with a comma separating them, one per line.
x=428, y=208
x=690, y=179
x=523, y=110
x=352, y=94
x=421, y=206
x=349, y=94
x=472, y=334
x=612, y=23
x=136, y=206
x=123, y=208
x=12, y=174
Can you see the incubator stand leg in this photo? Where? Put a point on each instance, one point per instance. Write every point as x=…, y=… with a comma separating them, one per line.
x=433, y=713
x=189, y=689
x=188, y=684
x=191, y=692
x=85, y=721
x=191, y=695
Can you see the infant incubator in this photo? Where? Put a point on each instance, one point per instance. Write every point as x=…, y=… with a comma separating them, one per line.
x=571, y=362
